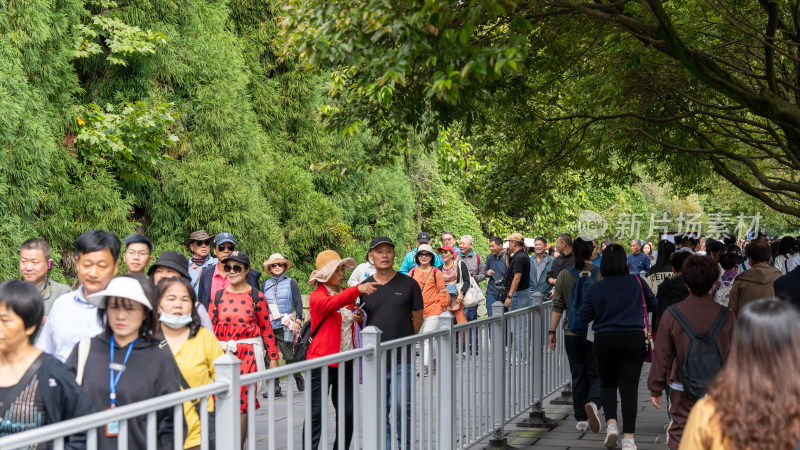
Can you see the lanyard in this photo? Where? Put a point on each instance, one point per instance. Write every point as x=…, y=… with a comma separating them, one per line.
x=112, y=381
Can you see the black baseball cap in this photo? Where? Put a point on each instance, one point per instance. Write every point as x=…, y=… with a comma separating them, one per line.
x=424, y=237
x=239, y=256
x=136, y=238
x=381, y=240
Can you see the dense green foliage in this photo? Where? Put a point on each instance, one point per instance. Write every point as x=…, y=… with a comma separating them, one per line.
x=694, y=92
x=164, y=117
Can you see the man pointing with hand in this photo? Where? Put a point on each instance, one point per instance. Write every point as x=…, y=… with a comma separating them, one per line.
x=396, y=309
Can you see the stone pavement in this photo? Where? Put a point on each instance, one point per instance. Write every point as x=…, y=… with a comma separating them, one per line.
x=650, y=427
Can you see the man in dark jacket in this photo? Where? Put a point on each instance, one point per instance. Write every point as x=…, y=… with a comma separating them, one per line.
x=787, y=287
x=671, y=290
x=757, y=281
x=212, y=281
x=564, y=260
x=496, y=266
x=672, y=342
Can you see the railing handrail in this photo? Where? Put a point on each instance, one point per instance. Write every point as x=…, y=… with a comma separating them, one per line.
x=371, y=353
x=85, y=423
x=309, y=364
x=413, y=339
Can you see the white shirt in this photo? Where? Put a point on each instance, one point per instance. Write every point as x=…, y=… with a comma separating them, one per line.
x=361, y=273
x=71, y=319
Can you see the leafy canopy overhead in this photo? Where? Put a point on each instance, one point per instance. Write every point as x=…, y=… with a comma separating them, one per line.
x=696, y=91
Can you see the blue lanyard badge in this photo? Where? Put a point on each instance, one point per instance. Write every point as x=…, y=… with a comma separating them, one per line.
x=112, y=380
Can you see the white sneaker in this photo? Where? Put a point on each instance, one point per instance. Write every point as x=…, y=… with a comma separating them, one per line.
x=612, y=436
x=594, y=419
x=582, y=426
x=628, y=444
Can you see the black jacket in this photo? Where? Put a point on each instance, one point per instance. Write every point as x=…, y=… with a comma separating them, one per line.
x=62, y=397
x=204, y=285
x=150, y=372
x=787, y=287
x=561, y=263
x=670, y=291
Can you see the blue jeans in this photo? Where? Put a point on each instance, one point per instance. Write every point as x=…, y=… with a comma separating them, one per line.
x=520, y=299
x=491, y=297
x=398, y=414
x=471, y=313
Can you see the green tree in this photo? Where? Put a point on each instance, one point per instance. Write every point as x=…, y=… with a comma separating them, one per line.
x=687, y=88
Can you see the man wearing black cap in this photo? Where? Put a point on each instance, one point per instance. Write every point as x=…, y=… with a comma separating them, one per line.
x=409, y=262
x=137, y=252
x=396, y=309
x=212, y=281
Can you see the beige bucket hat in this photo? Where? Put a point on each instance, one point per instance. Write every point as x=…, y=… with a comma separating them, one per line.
x=327, y=263
x=277, y=258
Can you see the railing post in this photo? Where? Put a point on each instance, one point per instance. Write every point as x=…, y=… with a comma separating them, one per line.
x=541, y=323
x=371, y=394
x=226, y=408
x=445, y=369
x=498, y=384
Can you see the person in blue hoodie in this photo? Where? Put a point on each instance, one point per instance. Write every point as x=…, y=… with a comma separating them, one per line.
x=409, y=262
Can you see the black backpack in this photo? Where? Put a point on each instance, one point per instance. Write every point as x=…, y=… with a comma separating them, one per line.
x=703, y=359
x=305, y=339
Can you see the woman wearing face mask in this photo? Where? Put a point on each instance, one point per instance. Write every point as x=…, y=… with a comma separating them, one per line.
x=361, y=272
x=240, y=316
x=124, y=364
x=195, y=348
x=172, y=264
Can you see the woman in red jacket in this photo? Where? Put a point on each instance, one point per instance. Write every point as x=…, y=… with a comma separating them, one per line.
x=333, y=316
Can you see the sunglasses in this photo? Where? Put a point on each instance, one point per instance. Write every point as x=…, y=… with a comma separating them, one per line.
x=233, y=268
x=230, y=247
x=277, y=265
x=425, y=255
x=202, y=243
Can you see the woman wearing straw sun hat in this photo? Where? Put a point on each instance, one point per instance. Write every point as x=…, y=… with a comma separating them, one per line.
x=333, y=316
x=128, y=349
x=285, y=310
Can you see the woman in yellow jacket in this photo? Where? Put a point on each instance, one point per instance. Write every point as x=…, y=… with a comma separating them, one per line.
x=194, y=347
x=753, y=404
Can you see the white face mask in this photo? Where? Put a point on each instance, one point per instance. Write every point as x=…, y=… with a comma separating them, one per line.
x=175, y=322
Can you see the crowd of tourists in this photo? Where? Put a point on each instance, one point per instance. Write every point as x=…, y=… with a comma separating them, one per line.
x=724, y=315
x=713, y=304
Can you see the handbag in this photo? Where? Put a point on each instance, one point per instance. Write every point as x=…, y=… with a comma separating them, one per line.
x=473, y=296
x=648, y=336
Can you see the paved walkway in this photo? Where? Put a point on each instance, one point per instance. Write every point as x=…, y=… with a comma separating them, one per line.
x=650, y=427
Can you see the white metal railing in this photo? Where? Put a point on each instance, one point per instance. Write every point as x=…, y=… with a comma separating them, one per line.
x=480, y=376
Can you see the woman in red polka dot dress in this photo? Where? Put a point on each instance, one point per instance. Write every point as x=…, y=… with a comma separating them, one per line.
x=241, y=323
